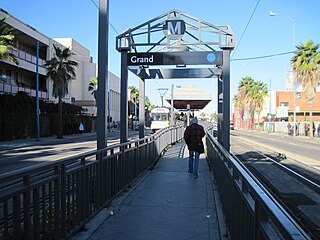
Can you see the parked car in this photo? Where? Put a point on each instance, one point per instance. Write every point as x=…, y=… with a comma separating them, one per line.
x=231, y=126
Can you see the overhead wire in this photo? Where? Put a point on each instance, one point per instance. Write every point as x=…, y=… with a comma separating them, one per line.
x=119, y=34
x=114, y=29
x=260, y=57
x=245, y=29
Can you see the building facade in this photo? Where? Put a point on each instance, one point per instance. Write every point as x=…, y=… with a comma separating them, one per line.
x=281, y=108
x=22, y=77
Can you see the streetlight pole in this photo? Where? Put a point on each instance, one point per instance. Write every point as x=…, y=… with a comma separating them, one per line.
x=162, y=92
x=294, y=83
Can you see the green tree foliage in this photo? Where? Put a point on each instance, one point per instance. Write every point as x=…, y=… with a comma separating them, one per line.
x=305, y=64
x=93, y=86
x=61, y=69
x=258, y=93
x=21, y=123
x=134, y=93
x=149, y=105
x=7, y=42
x=244, y=96
x=250, y=97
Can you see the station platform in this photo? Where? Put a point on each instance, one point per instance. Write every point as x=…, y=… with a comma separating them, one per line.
x=165, y=203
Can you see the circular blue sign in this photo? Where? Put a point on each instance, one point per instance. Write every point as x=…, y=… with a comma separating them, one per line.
x=211, y=57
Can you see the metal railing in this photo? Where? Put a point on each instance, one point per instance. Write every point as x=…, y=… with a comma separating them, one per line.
x=56, y=199
x=251, y=212
x=13, y=89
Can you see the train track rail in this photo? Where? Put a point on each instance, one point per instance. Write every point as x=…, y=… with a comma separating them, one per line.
x=295, y=186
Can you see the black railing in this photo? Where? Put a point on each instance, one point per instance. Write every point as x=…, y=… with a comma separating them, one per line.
x=55, y=200
x=251, y=212
x=14, y=89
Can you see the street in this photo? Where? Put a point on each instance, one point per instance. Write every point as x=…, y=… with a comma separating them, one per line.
x=52, y=149
x=298, y=148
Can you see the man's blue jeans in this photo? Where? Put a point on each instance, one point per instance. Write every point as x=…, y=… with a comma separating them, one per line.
x=193, y=162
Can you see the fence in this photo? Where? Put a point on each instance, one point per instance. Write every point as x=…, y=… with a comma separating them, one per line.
x=251, y=212
x=56, y=199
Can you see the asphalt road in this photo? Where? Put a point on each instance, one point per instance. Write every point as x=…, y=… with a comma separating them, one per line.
x=299, y=148
x=22, y=154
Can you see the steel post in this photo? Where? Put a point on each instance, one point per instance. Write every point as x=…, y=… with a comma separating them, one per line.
x=124, y=98
x=220, y=114
x=102, y=73
x=141, y=107
x=226, y=99
x=37, y=92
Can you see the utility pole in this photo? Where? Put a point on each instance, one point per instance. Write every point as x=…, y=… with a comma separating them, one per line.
x=102, y=73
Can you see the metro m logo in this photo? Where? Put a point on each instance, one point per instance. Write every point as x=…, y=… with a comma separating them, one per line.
x=174, y=29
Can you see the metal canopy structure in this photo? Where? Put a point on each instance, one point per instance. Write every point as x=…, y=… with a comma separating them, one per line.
x=189, y=95
x=184, y=47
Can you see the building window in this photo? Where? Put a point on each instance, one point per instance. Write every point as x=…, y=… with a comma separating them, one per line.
x=284, y=104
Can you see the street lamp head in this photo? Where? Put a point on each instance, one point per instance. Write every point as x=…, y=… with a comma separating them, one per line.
x=271, y=14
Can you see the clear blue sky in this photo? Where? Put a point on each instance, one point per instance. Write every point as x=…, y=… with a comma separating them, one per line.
x=265, y=35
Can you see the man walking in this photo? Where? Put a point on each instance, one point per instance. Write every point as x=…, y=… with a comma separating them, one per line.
x=193, y=136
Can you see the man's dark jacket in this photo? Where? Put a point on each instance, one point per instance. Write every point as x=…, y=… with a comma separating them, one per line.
x=193, y=135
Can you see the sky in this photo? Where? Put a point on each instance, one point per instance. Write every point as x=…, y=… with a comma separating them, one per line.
x=264, y=35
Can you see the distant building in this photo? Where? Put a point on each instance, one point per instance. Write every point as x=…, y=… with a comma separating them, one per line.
x=23, y=77
x=281, y=100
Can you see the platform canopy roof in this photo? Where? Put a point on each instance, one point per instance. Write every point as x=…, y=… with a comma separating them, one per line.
x=188, y=94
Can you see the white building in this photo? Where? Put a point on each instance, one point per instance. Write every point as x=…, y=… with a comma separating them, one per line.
x=23, y=77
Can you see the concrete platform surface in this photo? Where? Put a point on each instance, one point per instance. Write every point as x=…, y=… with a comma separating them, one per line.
x=167, y=203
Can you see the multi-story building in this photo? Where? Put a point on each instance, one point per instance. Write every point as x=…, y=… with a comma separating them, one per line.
x=22, y=77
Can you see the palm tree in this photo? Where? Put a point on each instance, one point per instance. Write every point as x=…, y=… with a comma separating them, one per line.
x=93, y=87
x=258, y=92
x=61, y=69
x=239, y=105
x=7, y=42
x=149, y=106
x=245, y=97
x=305, y=64
x=134, y=96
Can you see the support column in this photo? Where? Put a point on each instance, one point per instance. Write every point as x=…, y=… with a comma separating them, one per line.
x=102, y=73
x=37, y=92
x=226, y=99
x=220, y=114
x=141, y=106
x=124, y=98
x=172, y=112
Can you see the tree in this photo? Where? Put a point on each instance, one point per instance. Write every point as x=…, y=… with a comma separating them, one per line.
x=93, y=87
x=239, y=105
x=7, y=42
x=258, y=92
x=245, y=98
x=305, y=64
x=60, y=69
x=134, y=96
x=149, y=105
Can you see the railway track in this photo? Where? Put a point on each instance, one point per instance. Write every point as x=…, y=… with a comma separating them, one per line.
x=297, y=187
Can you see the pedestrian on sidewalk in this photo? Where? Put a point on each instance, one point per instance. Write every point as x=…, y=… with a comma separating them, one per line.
x=193, y=136
x=81, y=128
x=318, y=130
x=289, y=129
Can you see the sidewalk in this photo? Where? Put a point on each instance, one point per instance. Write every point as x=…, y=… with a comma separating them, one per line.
x=301, y=138
x=167, y=203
